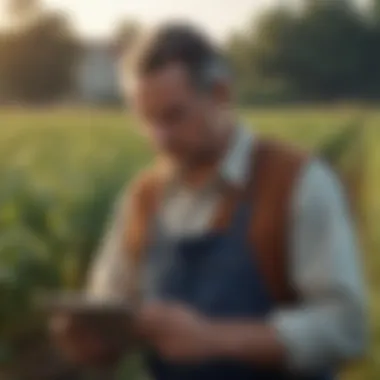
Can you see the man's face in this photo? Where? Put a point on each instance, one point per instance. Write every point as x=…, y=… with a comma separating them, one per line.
x=179, y=118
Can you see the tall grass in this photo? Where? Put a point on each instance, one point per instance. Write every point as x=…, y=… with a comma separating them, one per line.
x=60, y=172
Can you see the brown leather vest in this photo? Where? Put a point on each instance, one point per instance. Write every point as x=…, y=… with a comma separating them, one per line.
x=275, y=171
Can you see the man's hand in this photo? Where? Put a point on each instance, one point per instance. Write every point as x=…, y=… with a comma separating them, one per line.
x=178, y=333
x=80, y=343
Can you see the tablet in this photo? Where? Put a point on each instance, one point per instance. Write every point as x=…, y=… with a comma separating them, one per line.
x=111, y=320
x=82, y=304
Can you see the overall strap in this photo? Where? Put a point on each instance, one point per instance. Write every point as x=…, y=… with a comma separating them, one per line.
x=275, y=171
x=278, y=174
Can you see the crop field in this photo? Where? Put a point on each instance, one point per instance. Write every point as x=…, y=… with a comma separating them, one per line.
x=61, y=170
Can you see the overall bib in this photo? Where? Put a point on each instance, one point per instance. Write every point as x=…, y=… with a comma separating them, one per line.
x=217, y=275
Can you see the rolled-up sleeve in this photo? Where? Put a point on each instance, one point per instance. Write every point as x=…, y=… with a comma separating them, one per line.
x=108, y=274
x=330, y=326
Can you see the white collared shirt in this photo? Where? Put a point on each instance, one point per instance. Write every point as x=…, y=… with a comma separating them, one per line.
x=330, y=324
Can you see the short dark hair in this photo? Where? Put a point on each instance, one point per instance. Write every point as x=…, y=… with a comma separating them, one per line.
x=177, y=43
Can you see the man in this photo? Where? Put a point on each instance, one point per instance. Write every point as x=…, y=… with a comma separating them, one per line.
x=240, y=251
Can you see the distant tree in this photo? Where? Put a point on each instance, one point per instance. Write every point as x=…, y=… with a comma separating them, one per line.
x=327, y=50
x=259, y=53
x=37, y=60
x=332, y=51
x=375, y=9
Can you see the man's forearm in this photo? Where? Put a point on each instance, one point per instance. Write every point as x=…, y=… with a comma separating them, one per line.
x=255, y=343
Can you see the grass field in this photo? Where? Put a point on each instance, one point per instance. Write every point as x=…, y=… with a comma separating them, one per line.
x=61, y=170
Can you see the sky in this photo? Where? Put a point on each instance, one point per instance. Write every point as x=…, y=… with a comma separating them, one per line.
x=98, y=18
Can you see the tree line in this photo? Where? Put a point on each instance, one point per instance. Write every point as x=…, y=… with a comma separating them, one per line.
x=324, y=50
x=327, y=50
x=38, y=53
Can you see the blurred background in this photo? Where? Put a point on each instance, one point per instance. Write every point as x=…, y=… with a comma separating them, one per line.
x=307, y=71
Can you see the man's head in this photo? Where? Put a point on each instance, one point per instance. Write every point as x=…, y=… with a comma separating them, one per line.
x=178, y=85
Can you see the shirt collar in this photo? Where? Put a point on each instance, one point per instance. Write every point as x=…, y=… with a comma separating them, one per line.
x=234, y=168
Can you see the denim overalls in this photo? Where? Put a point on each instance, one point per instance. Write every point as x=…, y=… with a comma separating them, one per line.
x=216, y=274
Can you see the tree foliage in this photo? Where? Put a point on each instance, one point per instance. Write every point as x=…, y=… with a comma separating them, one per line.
x=328, y=50
x=37, y=59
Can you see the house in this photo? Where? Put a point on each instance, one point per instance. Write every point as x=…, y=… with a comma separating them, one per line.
x=97, y=74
